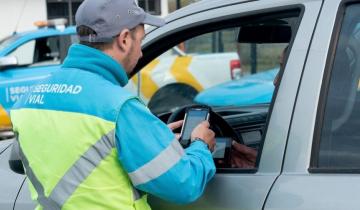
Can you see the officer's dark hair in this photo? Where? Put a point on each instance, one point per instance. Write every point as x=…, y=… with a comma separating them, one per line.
x=86, y=31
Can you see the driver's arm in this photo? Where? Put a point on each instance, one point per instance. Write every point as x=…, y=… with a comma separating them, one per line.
x=243, y=156
x=154, y=159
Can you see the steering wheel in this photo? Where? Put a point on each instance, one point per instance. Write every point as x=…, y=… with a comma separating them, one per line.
x=217, y=123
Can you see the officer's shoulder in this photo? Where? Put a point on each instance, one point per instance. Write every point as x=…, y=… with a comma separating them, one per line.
x=117, y=93
x=102, y=87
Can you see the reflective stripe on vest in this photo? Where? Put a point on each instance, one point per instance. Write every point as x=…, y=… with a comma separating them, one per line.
x=44, y=202
x=76, y=174
x=159, y=165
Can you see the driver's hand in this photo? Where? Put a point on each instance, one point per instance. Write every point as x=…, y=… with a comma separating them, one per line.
x=175, y=125
x=203, y=132
x=242, y=156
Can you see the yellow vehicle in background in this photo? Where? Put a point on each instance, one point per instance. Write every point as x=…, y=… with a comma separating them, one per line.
x=5, y=125
x=180, y=74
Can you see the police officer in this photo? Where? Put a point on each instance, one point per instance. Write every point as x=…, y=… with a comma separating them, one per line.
x=87, y=143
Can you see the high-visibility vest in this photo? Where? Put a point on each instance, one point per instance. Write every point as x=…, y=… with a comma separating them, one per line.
x=66, y=133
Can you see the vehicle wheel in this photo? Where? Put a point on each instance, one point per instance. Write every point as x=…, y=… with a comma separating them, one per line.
x=171, y=97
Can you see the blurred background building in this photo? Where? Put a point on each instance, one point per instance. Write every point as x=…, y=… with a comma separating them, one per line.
x=19, y=15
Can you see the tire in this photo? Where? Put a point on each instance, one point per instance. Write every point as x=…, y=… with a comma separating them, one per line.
x=171, y=97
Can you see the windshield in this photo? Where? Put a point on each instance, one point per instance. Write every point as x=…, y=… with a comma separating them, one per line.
x=8, y=41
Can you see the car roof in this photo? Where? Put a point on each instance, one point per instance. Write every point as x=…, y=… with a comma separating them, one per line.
x=46, y=31
x=201, y=6
x=196, y=7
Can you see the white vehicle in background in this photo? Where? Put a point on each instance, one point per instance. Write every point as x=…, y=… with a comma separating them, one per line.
x=179, y=77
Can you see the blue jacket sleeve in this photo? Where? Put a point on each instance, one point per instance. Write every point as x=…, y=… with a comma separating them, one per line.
x=154, y=159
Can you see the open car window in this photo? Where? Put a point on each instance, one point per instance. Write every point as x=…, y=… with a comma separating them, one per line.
x=232, y=66
x=231, y=69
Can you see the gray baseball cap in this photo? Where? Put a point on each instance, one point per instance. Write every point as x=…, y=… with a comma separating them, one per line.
x=109, y=17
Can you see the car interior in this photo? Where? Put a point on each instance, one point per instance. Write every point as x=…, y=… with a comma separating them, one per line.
x=51, y=50
x=244, y=124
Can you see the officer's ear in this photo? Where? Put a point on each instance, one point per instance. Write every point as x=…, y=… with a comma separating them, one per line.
x=124, y=41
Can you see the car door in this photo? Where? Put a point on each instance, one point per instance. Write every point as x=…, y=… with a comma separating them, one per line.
x=240, y=188
x=243, y=188
x=11, y=182
x=321, y=167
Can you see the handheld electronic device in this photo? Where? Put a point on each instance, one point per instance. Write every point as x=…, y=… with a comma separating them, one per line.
x=221, y=154
x=193, y=117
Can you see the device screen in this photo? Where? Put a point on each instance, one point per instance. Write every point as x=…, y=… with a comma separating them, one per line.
x=193, y=118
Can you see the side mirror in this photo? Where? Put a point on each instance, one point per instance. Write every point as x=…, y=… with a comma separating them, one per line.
x=15, y=161
x=8, y=61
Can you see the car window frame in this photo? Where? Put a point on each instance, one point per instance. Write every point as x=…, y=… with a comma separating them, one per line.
x=9, y=40
x=61, y=41
x=21, y=47
x=187, y=32
x=325, y=86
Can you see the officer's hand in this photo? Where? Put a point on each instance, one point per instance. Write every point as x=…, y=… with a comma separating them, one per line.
x=175, y=125
x=203, y=132
x=242, y=156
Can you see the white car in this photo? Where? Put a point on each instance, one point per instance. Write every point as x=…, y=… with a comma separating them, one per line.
x=307, y=138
